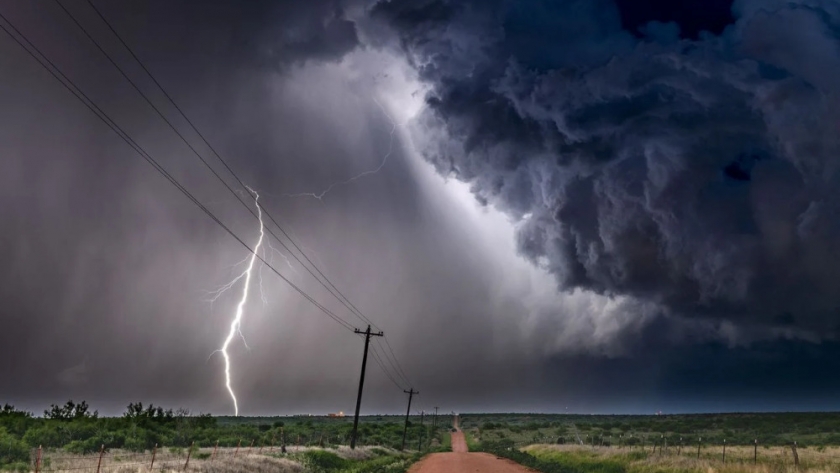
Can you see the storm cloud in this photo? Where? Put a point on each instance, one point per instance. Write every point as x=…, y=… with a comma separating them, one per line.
x=697, y=175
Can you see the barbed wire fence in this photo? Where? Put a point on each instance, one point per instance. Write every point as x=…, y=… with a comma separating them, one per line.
x=177, y=458
x=716, y=453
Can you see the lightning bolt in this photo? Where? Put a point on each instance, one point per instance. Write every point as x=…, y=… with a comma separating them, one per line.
x=236, y=323
x=320, y=195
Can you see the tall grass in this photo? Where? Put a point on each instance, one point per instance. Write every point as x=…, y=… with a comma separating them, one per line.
x=560, y=458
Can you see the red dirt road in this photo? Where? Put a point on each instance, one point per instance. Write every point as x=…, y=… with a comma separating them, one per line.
x=459, y=443
x=461, y=461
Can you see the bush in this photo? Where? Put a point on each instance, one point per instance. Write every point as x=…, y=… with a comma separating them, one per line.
x=82, y=447
x=320, y=460
x=135, y=444
x=13, y=451
x=20, y=467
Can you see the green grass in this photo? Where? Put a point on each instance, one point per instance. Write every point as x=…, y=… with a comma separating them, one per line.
x=470, y=437
x=321, y=461
x=446, y=441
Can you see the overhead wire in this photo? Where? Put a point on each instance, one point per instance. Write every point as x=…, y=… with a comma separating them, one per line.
x=334, y=291
x=326, y=283
x=105, y=118
x=396, y=361
x=378, y=361
x=394, y=366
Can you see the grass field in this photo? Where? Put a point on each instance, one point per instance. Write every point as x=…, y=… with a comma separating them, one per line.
x=624, y=460
x=754, y=443
x=297, y=459
x=775, y=429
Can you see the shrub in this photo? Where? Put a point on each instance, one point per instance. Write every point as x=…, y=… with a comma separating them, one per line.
x=20, y=467
x=320, y=460
x=13, y=450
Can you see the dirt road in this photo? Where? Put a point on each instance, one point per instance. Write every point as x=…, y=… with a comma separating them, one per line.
x=461, y=461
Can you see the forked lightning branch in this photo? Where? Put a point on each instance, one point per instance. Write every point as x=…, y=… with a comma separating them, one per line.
x=236, y=323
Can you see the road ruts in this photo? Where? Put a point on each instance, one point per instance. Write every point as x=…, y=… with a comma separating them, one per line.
x=460, y=460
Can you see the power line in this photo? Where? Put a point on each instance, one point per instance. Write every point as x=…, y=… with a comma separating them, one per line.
x=398, y=366
x=91, y=105
x=378, y=360
x=393, y=366
x=326, y=283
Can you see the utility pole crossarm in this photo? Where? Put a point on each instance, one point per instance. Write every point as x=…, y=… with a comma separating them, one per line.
x=367, y=333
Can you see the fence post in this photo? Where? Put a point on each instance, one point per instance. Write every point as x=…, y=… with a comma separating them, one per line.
x=38, y=460
x=282, y=440
x=699, y=442
x=189, y=452
x=237, y=447
x=755, y=453
x=214, y=451
x=154, y=454
x=101, y=452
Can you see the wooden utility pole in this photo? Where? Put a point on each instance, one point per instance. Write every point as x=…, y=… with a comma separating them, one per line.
x=367, y=333
x=411, y=392
x=434, y=420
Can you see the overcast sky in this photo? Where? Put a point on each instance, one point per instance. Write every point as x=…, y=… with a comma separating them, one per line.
x=583, y=205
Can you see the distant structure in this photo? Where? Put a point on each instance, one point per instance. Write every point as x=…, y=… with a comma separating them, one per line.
x=340, y=414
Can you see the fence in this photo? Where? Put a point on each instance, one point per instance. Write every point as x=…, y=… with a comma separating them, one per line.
x=161, y=458
x=717, y=454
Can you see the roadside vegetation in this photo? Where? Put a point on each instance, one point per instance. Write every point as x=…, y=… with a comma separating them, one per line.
x=577, y=459
x=754, y=443
x=74, y=433
x=771, y=429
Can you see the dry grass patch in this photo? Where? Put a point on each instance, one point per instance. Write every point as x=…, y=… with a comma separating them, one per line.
x=738, y=459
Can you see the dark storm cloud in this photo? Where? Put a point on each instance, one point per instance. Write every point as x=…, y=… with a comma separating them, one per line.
x=700, y=176
x=292, y=32
x=555, y=111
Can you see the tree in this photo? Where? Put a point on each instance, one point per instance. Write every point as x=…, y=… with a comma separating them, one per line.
x=70, y=411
